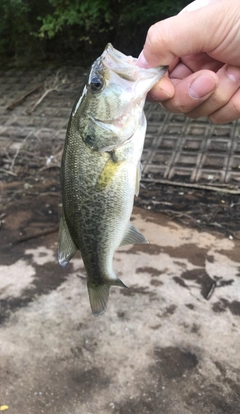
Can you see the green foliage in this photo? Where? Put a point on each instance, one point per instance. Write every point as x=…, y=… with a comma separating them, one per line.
x=50, y=28
x=88, y=15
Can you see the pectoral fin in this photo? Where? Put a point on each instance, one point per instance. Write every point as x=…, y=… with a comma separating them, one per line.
x=66, y=245
x=133, y=236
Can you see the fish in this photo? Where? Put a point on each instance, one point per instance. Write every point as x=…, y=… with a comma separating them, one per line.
x=101, y=168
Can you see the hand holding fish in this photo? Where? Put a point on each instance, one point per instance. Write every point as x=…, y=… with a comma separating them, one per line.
x=201, y=46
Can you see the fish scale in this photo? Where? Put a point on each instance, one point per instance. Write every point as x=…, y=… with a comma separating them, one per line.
x=100, y=169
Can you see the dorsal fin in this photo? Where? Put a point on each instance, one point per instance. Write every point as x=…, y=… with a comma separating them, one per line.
x=133, y=236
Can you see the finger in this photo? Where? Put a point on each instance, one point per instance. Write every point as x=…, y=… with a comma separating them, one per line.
x=193, y=63
x=197, y=4
x=200, y=61
x=162, y=91
x=181, y=71
x=192, y=91
x=173, y=64
x=229, y=82
x=183, y=35
x=229, y=112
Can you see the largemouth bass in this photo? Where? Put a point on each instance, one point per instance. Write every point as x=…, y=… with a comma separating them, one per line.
x=101, y=170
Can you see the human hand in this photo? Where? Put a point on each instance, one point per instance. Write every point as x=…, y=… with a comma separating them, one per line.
x=202, y=49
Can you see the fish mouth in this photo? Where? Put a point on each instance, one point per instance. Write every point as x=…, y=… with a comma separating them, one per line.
x=118, y=56
x=125, y=66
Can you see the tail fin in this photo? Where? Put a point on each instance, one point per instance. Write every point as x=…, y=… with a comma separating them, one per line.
x=98, y=295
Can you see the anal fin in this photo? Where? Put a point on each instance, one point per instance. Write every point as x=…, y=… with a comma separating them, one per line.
x=133, y=236
x=66, y=245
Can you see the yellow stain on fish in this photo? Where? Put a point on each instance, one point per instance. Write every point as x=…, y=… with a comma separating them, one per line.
x=107, y=174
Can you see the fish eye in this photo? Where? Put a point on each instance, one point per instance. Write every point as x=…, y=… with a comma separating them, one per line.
x=90, y=141
x=96, y=83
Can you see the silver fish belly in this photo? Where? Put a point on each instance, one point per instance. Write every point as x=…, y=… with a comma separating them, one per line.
x=101, y=170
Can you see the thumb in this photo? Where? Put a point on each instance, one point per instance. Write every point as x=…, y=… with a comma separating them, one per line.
x=194, y=31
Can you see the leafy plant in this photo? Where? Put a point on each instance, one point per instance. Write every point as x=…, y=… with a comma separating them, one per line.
x=88, y=15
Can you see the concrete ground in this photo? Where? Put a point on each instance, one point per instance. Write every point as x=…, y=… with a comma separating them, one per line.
x=161, y=346
x=167, y=345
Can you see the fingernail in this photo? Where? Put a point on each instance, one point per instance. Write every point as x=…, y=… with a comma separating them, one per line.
x=202, y=86
x=141, y=62
x=233, y=73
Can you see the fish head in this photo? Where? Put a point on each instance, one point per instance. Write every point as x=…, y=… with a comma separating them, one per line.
x=112, y=102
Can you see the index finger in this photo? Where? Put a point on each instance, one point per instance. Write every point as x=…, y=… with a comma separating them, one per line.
x=184, y=34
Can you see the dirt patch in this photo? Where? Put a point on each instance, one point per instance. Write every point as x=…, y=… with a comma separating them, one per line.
x=197, y=257
x=30, y=206
x=151, y=270
x=30, y=211
x=200, y=209
x=224, y=304
x=176, y=381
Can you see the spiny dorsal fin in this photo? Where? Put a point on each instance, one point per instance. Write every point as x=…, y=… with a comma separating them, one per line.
x=66, y=245
x=133, y=236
